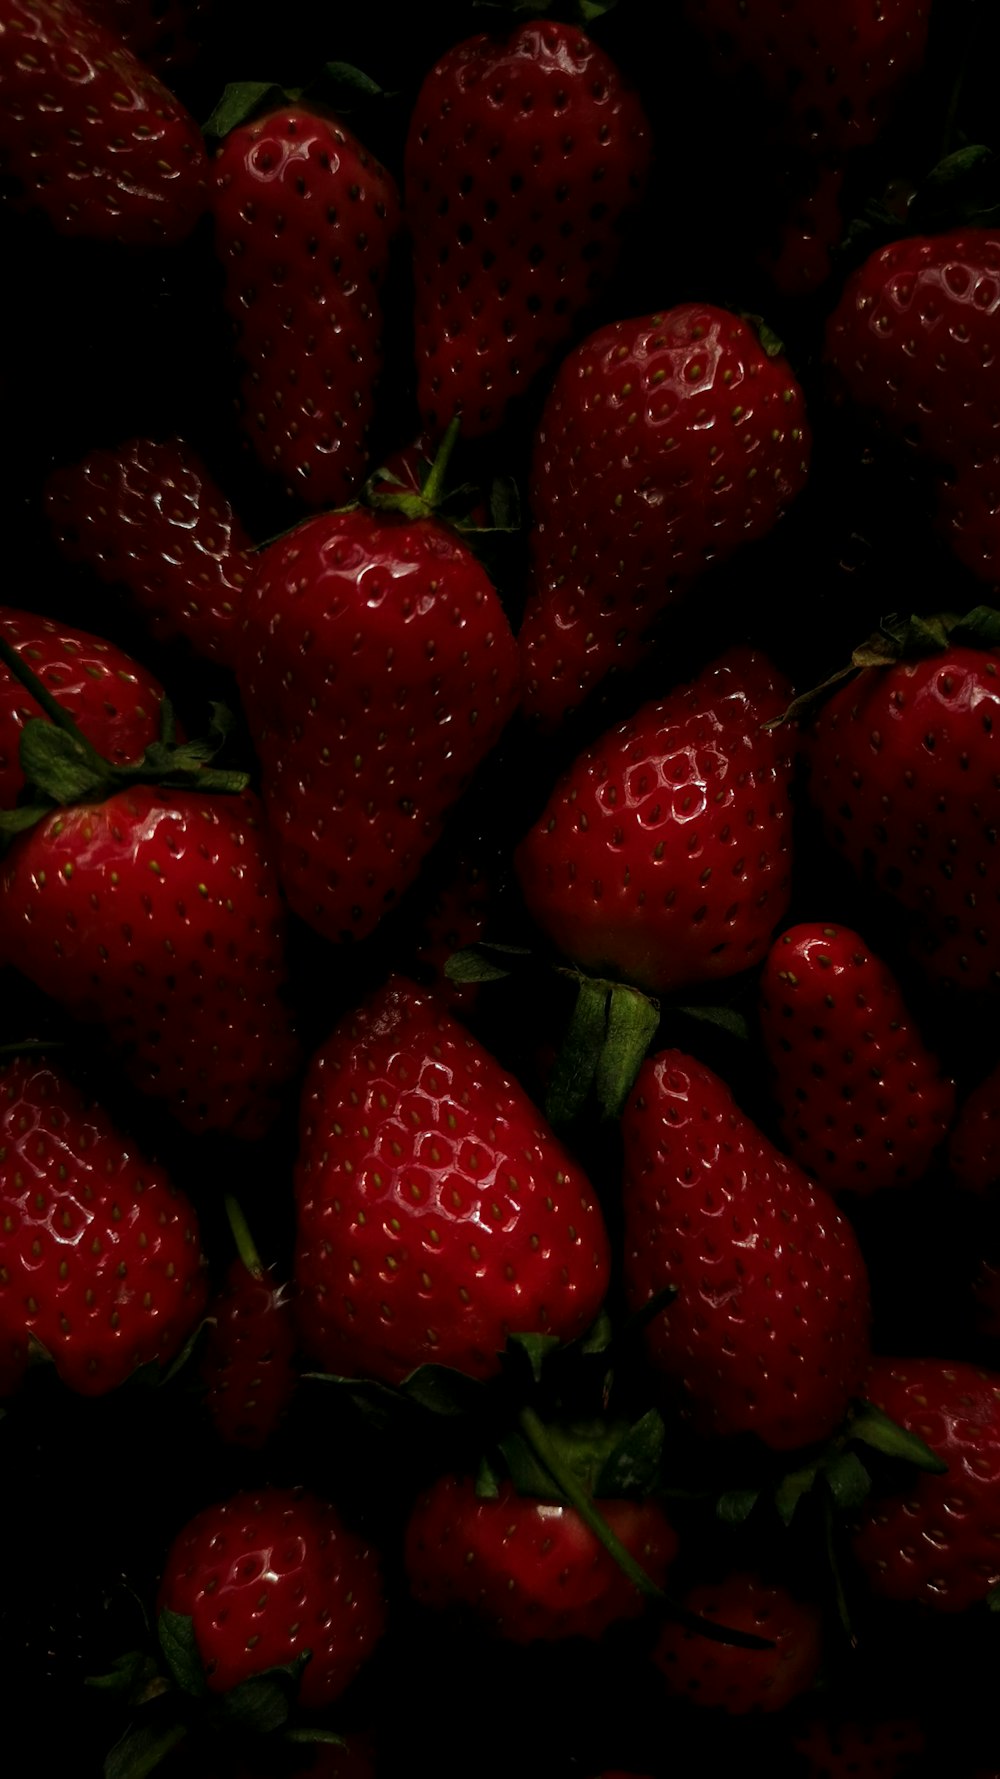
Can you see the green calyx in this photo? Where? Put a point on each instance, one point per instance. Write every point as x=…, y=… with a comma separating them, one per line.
x=338, y=87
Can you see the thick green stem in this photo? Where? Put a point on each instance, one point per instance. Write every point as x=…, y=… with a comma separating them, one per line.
x=245, y=1245
x=433, y=488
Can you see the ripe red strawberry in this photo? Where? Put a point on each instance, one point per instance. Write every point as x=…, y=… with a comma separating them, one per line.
x=903, y=764
x=911, y=341
x=665, y=444
x=377, y=670
x=853, y=1748
x=864, y=1104
x=115, y=701
x=528, y=1569
x=936, y=1541
x=524, y=157
x=248, y=1366
x=149, y=517
x=663, y=853
x=304, y=222
x=157, y=914
x=265, y=1577
x=437, y=1213
x=100, y=1255
x=974, y=1146
x=88, y=134
x=768, y=1333
x=726, y=1677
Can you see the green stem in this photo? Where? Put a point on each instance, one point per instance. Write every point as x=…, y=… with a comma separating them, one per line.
x=51, y=706
x=32, y=1047
x=839, y=1594
x=245, y=1245
x=433, y=488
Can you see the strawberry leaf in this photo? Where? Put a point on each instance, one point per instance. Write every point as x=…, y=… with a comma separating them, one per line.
x=633, y=1465
x=993, y=1599
x=343, y=88
x=875, y=1429
x=576, y=1064
x=736, y=1506
x=979, y=628
x=482, y=963
x=55, y=763
x=141, y=1750
x=487, y=1481
x=441, y=1389
x=18, y=821
x=241, y=101
x=264, y=1703
x=726, y=1018
x=792, y=1487
x=130, y=1676
x=527, y=1472
x=632, y=1019
x=183, y=1657
x=535, y=1348
x=847, y=1480
x=599, y=1335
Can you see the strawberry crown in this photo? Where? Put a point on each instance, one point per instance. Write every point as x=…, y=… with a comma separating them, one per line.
x=338, y=87
x=912, y=638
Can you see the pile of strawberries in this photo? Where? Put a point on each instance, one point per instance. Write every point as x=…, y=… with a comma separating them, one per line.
x=500, y=889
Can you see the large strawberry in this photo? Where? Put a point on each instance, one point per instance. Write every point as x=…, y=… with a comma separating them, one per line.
x=377, y=669
x=88, y=134
x=663, y=852
x=437, y=1213
x=524, y=156
x=665, y=444
x=863, y=1103
x=304, y=222
x=768, y=1331
x=729, y=1677
x=100, y=1254
x=148, y=516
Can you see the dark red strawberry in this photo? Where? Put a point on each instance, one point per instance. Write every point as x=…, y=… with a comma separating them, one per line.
x=100, y=1254
x=524, y=157
x=864, y=1104
x=148, y=516
x=855, y=1748
x=88, y=134
x=304, y=222
x=165, y=34
x=437, y=1213
x=663, y=853
x=974, y=1146
x=377, y=670
x=768, y=1332
x=665, y=444
x=799, y=257
x=248, y=1366
x=727, y=1677
x=266, y=1577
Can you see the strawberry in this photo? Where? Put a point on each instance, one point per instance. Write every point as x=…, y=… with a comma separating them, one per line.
x=903, y=760
x=304, y=223
x=935, y=1542
x=266, y=1577
x=662, y=853
x=768, y=1333
x=100, y=1255
x=90, y=136
x=853, y=1748
x=529, y=1569
x=524, y=157
x=665, y=443
x=727, y=1677
x=799, y=257
x=377, y=670
x=248, y=1366
x=974, y=1145
x=115, y=701
x=148, y=516
x=164, y=34
x=864, y=1104
x=437, y=1213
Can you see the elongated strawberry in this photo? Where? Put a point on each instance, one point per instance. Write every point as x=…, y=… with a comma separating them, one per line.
x=88, y=134
x=437, y=1214
x=974, y=1145
x=100, y=1254
x=864, y=1105
x=524, y=157
x=665, y=444
x=248, y=1367
x=663, y=852
x=727, y=1677
x=304, y=222
x=149, y=517
x=768, y=1332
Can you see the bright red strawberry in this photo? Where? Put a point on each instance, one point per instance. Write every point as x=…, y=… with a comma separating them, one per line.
x=377, y=670
x=665, y=444
x=726, y=1677
x=157, y=915
x=437, y=1213
x=304, y=223
x=663, y=853
x=853, y=1748
x=903, y=764
x=528, y=1569
x=149, y=517
x=88, y=134
x=265, y=1577
x=524, y=157
x=864, y=1104
x=113, y=699
x=100, y=1254
x=974, y=1146
x=248, y=1366
x=936, y=1541
x=768, y=1332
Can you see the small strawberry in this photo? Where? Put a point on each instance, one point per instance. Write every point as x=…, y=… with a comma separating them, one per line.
x=863, y=1103
x=304, y=224
x=248, y=1366
x=524, y=157
x=768, y=1332
x=663, y=852
x=265, y=1578
x=149, y=517
x=665, y=444
x=974, y=1145
x=100, y=1255
x=90, y=136
x=936, y=1540
x=437, y=1213
x=727, y=1677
